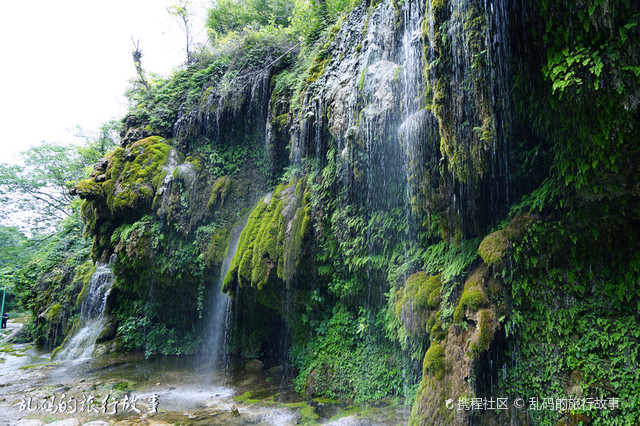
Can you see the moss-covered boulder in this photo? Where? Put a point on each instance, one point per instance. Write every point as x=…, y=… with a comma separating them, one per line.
x=447, y=369
x=494, y=247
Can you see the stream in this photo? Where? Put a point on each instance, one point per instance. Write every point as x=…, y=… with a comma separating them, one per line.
x=128, y=389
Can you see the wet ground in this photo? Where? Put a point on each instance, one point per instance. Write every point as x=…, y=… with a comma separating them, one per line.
x=129, y=389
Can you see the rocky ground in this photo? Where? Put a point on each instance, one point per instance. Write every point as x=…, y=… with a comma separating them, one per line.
x=131, y=390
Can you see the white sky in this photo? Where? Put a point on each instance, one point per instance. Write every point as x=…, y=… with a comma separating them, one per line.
x=68, y=62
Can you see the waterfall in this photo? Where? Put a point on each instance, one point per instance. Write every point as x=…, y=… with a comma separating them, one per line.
x=220, y=306
x=82, y=344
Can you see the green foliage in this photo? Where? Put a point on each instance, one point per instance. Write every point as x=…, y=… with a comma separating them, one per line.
x=345, y=359
x=14, y=247
x=15, y=251
x=311, y=18
x=588, y=332
x=156, y=110
x=154, y=338
x=450, y=260
x=574, y=274
x=96, y=144
x=49, y=283
x=233, y=15
x=589, y=57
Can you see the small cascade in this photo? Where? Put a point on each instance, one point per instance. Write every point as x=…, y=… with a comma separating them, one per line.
x=82, y=344
x=220, y=306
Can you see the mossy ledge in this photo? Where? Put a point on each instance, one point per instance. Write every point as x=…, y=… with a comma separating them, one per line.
x=272, y=239
x=122, y=185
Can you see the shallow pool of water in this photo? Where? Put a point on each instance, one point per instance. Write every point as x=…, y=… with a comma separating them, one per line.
x=130, y=388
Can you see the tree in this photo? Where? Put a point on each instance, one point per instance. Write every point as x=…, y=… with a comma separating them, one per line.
x=137, y=62
x=35, y=194
x=97, y=144
x=182, y=12
x=15, y=252
x=38, y=191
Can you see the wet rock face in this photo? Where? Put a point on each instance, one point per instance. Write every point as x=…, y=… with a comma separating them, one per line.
x=419, y=88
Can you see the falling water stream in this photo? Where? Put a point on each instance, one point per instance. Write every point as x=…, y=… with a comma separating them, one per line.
x=82, y=344
x=220, y=306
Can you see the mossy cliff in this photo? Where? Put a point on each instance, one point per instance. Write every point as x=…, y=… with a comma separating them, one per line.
x=440, y=202
x=167, y=216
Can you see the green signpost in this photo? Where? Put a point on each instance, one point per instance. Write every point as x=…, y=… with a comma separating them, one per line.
x=2, y=308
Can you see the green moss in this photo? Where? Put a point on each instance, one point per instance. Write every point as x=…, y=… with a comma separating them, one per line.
x=362, y=74
x=324, y=400
x=472, y=300
x=220, y=191
x=438, y=6
x=196, y=161
x=416, y=302
x=83, y=273
x=244, y=397
x=54, y=314
x=280, y=122
x=317, y=67
x=137, y=173
x=131, y=178
x=398, y=74
x=474, y=296
x=88, y=188
x=358, y=48
x=125, y=385
x=421, y=292
x=217, y=245
x=424, y=290
x=308, y=414
x=488, y=131
x=436, y=332
x=241, y=265
x=433, y=363
x=88, y=213
x=265, y=243
x=486, y=331
x=126, y=189
x=493, y=247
